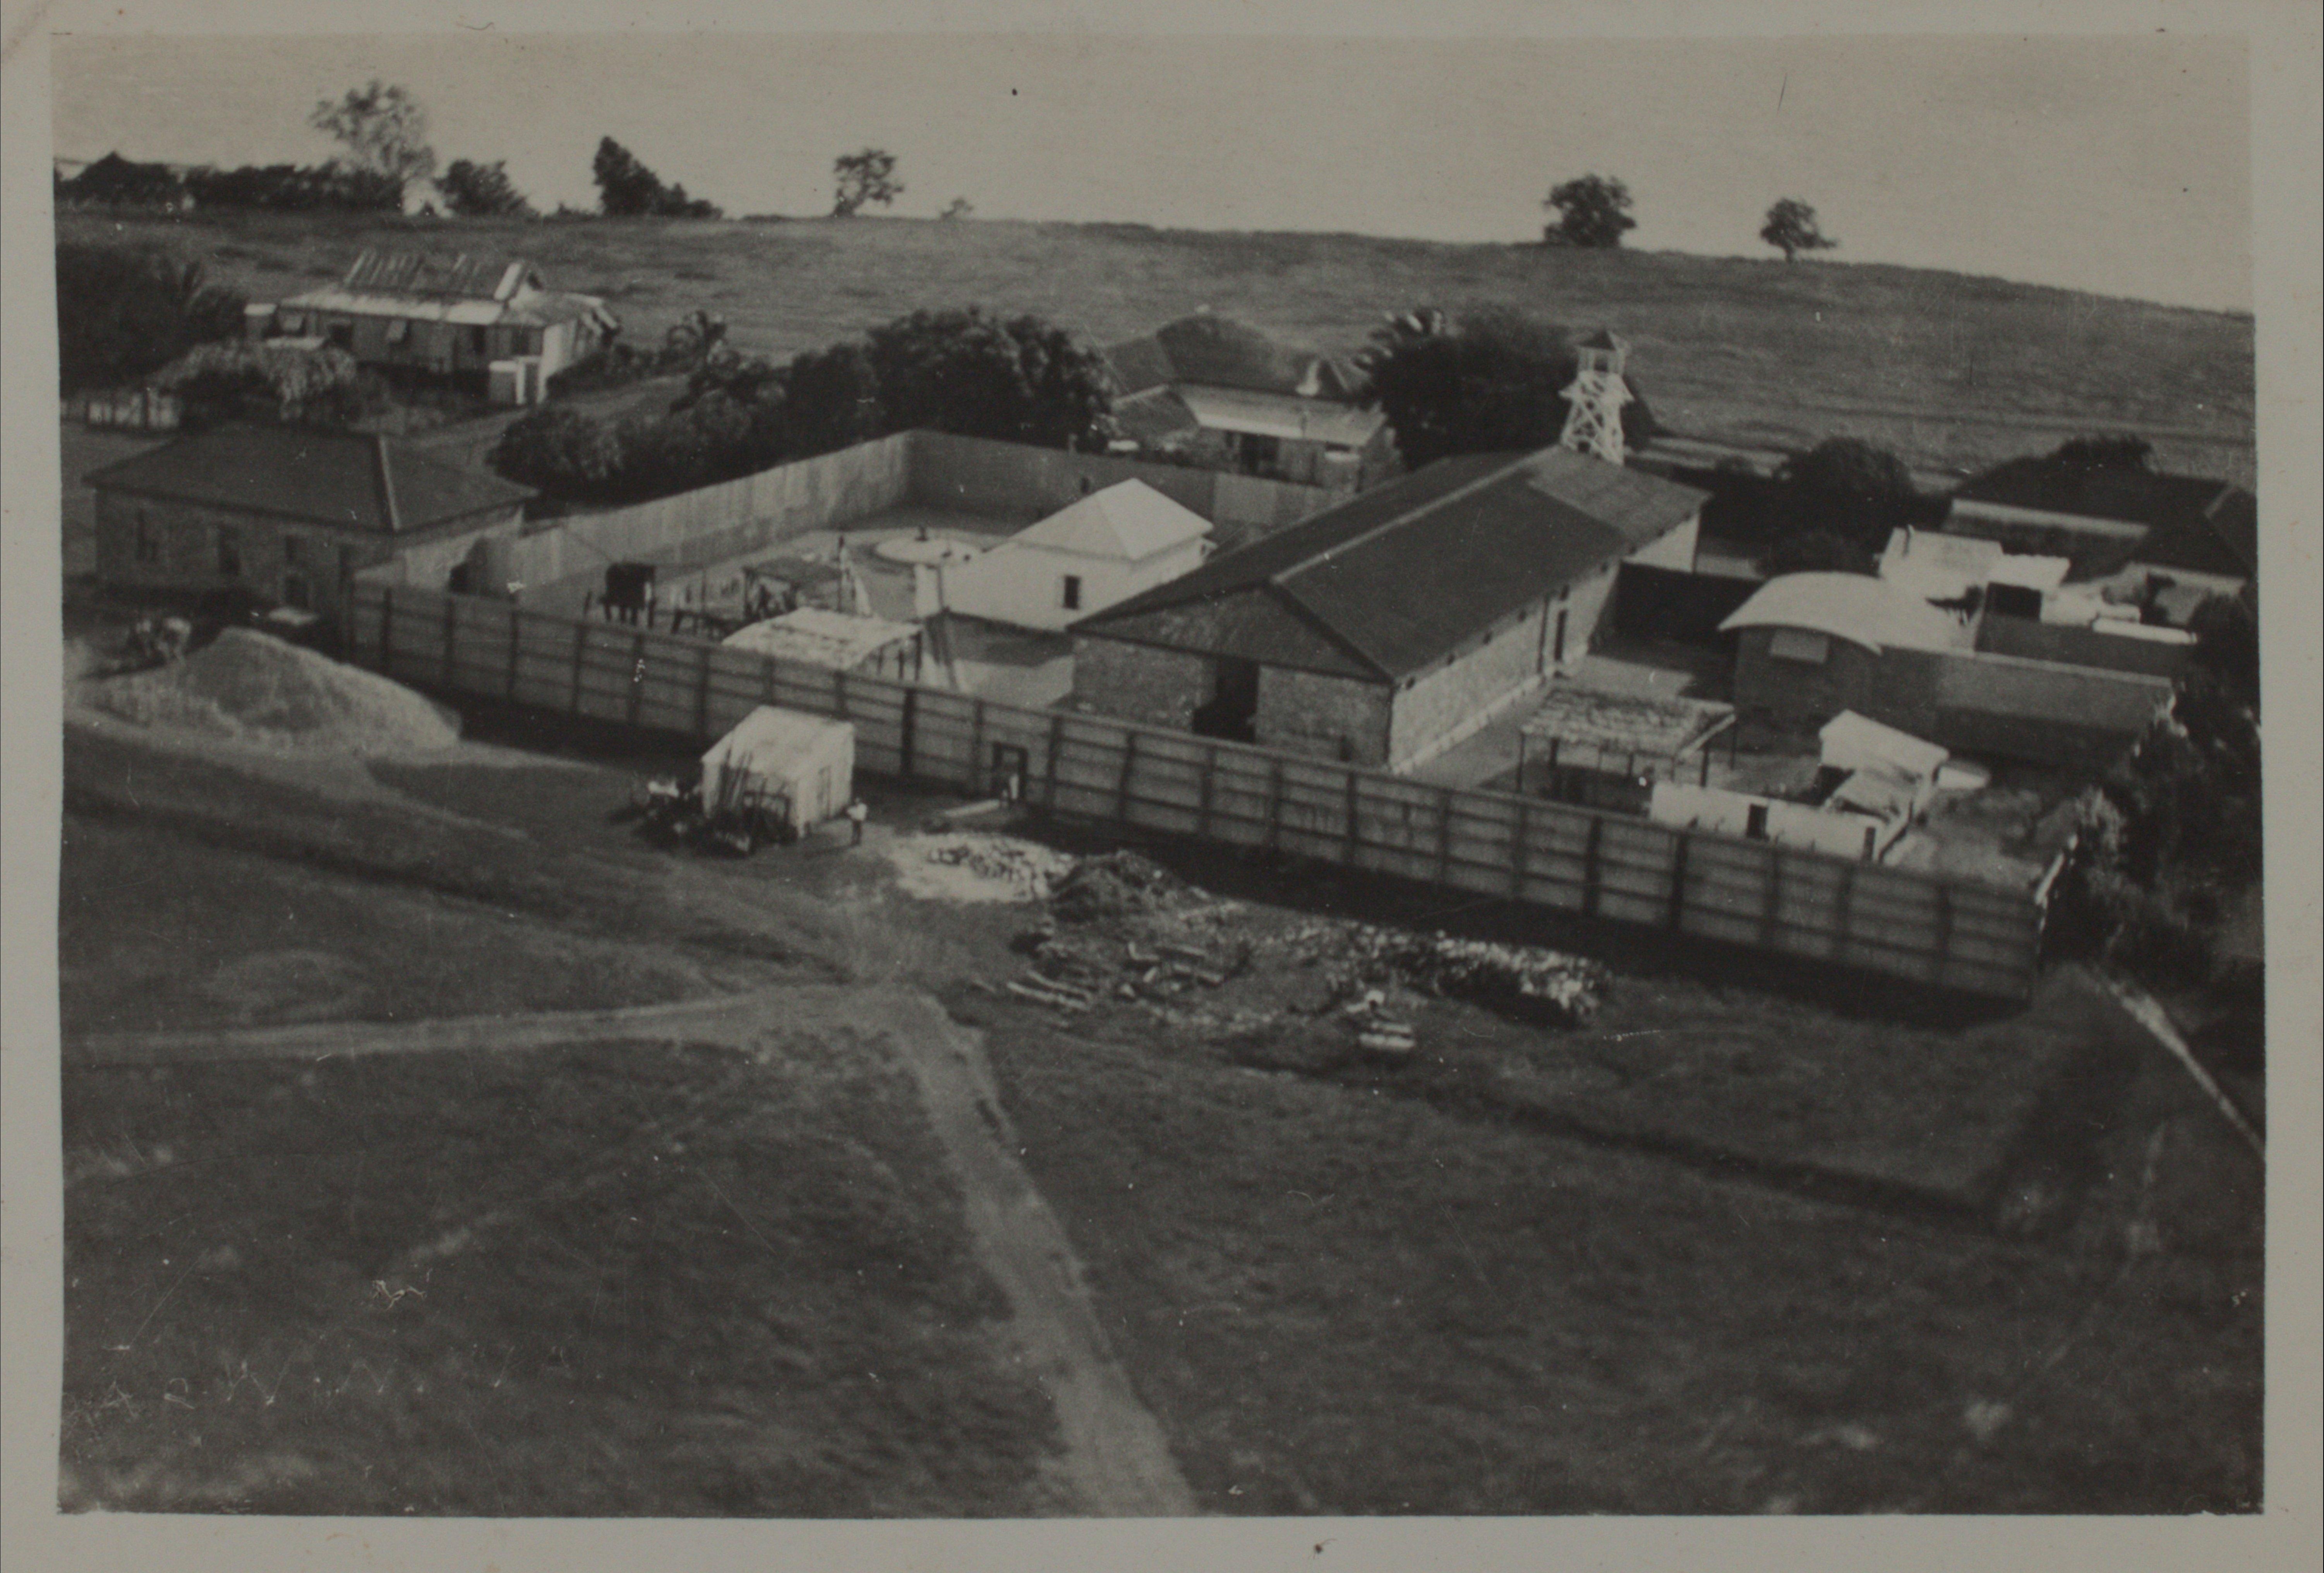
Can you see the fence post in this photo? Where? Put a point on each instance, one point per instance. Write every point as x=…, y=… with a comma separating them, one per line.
x=1944, y=948
x=976, y=744
x=1275, y=805
x=637, y=677
x=1520, y=846
x=1121, y=787
x=1049, y=760
x=1202, y=799
x=580, y=655
x=1590, y=865
x=516, y=643
x=1771, y=899
x=1841, y=912
x=702, y=693
x=910, y=729
x=1445, y=838
x=1355, y=821
x=451, y=636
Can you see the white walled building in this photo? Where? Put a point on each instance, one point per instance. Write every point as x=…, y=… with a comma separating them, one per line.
x=1102, y=550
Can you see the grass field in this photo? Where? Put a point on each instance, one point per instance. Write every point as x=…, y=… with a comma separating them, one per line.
x=1949, y=369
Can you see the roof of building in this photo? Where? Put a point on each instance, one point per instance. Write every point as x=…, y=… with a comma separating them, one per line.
x=1857, y=742
x=2219, y=510
x=1855, y=607
x=1157, y=415
x=1281, y=415
x=1624, y=724
x=1393, y=580
x=1128, y=521
x=816, y=637
x=1219, y=351
x=770, y=742
x=356, y=480
x=463, y=277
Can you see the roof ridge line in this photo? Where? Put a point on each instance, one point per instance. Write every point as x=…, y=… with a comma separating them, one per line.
x=1396, y=521
x=1317, y=622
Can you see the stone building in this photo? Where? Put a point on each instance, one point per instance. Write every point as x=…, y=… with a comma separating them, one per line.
x=290, y=513
x=1387, y=629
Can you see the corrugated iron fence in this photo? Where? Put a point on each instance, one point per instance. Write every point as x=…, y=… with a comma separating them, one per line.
x=1955, y=936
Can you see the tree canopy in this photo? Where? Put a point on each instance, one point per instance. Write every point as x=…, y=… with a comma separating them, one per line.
x=1494, y=381
x=384, y=128
x=476, y=190
x=626, y=188
x=1848, y=488
x=1018, y=378
x=1792, y=229
x=123, y=312
x=866, y=179
x=1592, y=212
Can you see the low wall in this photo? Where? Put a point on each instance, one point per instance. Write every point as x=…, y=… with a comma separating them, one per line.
x=1947, y=932
x=1016, y=481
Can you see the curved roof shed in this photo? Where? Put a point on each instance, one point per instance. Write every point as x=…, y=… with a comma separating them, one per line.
x=1864, y=611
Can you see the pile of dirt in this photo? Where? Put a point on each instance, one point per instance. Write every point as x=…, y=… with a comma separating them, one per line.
x=965, y=867
x=1114, y=885
x=250, y=688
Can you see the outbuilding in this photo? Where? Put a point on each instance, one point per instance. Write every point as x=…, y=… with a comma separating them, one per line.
x=1083, y=559
x=799, y=768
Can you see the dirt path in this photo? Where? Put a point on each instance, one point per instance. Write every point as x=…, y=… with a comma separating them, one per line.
x=1117, y=1462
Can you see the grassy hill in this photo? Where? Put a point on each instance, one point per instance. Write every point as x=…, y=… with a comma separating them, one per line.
x=1950, y=370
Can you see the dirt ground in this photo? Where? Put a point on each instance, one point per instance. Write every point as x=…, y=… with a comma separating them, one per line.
x=1336, y=1289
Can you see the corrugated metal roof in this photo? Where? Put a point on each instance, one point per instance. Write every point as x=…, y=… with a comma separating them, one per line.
x=1282, y=415
x=817, y=637
x=386, y=273
x=1154, y=415
x=1855, y=607
x=1400, y=576
x=350, y=479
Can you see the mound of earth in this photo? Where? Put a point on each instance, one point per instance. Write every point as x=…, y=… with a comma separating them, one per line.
x=1116, y=885
x=250, y=688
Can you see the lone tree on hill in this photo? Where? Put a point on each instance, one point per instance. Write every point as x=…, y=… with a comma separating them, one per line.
x=1791, y=228
x=2119, y=451
x=626, y=188
x=1592, y=211
x=385, y=127
x=475, y=190
x=866, y=179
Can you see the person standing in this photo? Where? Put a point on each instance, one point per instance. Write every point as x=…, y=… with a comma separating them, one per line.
x=857, y=813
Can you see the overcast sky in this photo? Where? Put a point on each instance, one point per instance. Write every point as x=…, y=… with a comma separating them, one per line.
x=2117, y=165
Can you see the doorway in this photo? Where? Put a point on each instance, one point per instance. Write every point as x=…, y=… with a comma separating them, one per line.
x=1557, y=641
x=1232, y=711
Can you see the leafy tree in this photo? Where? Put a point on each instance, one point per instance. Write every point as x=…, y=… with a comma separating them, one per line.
x=239, y=376
x=1792, y=229
x=865, y=179
x=1815, y=551
x=1849, y=489
x=1019, y=379
x=2106, y=452
x=296, y=188
x=476, y=190
x=1493, y=381
x=2226, y=644
x=123, y=312
x=1592, y=212
x=384, y=128
x=626, y=188
x=831, y=400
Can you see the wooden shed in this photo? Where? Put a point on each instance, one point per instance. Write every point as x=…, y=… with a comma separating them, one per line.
x=801, y=766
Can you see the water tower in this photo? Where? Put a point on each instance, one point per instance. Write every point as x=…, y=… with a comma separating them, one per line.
x=1593, y=416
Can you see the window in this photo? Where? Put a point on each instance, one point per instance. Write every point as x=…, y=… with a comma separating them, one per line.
x=149, y=539
x=1798, y=644
x=1755, y=823
x=476, y=341
x=343, y=334
x=229, y=553
x=1072, y=593
x=399, y=331
x=294, y=322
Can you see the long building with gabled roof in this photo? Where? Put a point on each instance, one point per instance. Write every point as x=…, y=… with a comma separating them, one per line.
x=1385, y=629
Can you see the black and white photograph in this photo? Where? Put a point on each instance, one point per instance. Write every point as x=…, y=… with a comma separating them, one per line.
x=1114, y=771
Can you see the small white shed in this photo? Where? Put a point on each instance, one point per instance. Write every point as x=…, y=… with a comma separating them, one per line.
x=1104, y=548
x=804, y=764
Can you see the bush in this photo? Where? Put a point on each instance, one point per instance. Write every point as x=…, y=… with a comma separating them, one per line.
x=297, y=188
x=1495, y=381
x=1848, y=488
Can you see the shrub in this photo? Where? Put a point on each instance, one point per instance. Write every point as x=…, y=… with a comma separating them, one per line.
x=123, y=312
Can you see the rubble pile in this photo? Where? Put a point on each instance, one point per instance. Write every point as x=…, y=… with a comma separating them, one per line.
x=1114, y=885
x=967, y=867
x=1521, y=981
